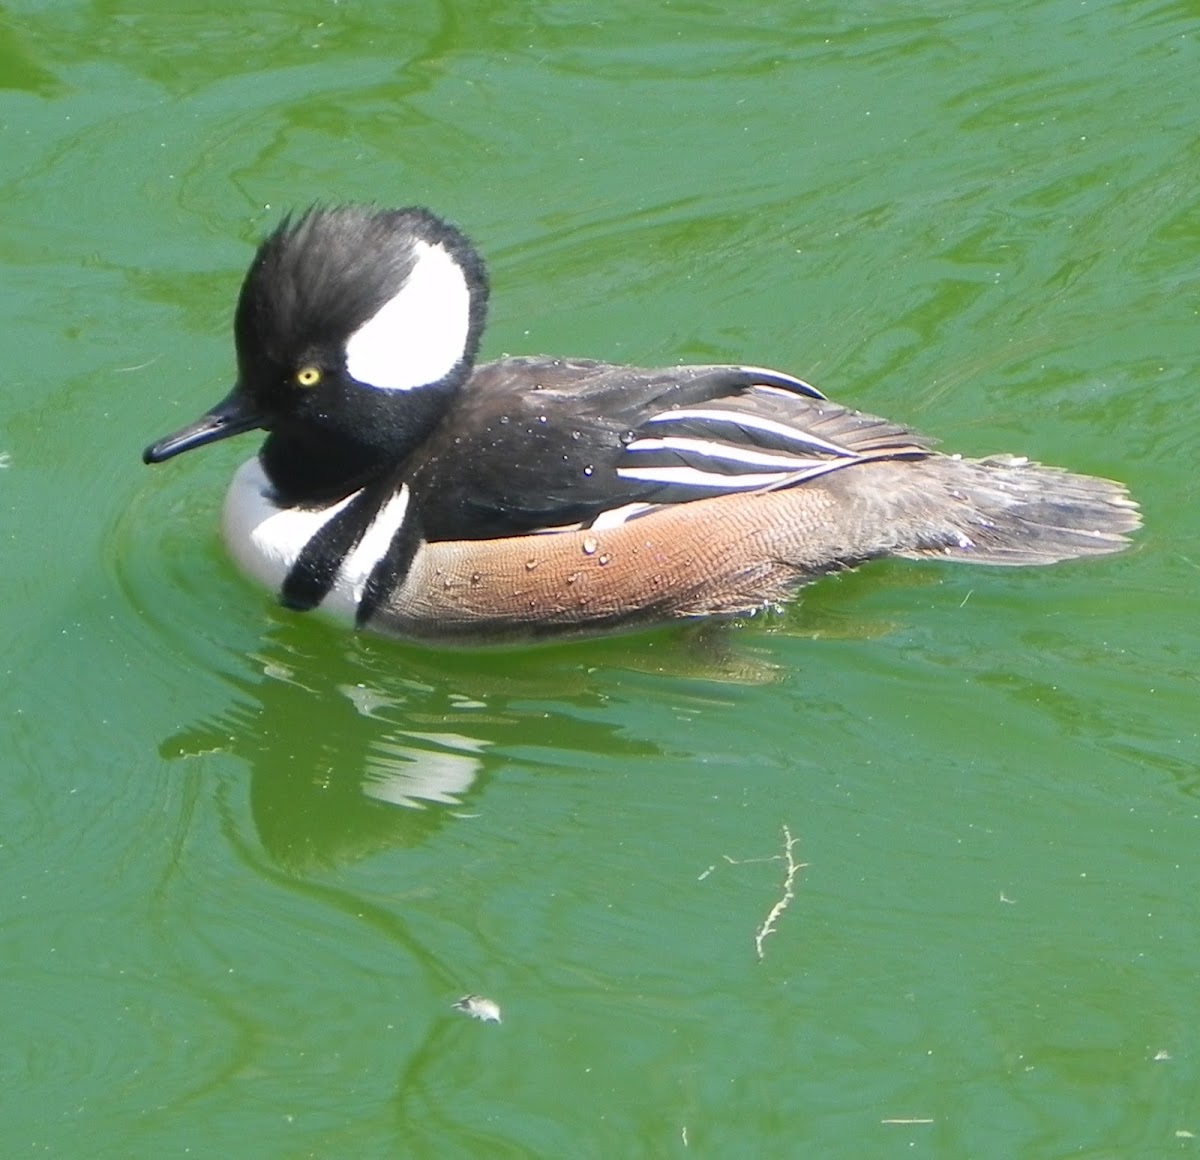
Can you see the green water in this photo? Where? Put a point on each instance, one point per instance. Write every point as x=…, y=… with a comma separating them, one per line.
x=249, y=862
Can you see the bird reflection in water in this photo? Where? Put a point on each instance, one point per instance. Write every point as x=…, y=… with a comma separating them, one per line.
x=356, y=745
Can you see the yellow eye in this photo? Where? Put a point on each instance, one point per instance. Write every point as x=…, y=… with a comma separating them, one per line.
x=308, y=376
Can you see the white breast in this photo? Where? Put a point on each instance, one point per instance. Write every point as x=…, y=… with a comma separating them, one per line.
x=265, y=540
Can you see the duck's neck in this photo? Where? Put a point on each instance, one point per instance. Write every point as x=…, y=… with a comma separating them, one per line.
x=314, y=464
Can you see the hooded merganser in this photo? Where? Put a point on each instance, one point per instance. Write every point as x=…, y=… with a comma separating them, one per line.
x=421, y=496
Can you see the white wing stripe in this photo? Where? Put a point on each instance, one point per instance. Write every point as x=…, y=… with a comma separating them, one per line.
x=615, y=517
x=753, y=422
x=723, y=451
x=801, y=387
x=694, y=478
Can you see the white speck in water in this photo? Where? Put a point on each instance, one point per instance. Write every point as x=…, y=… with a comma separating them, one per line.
x=485, y=1010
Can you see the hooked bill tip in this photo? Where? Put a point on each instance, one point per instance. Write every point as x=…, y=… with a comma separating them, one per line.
x=233, y=415
x=157, y=452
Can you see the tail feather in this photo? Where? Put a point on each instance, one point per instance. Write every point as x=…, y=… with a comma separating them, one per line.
x=1007, y=510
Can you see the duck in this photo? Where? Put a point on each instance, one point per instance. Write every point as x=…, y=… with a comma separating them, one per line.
x=407, y=489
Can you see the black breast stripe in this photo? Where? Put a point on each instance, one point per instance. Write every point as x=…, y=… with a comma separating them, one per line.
x=315, y=572
x=391, y=570
x=313, y=575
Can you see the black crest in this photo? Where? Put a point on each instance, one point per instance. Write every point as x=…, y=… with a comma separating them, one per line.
x=320, y=275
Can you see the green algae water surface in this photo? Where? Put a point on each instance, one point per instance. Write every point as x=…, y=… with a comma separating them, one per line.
x=251, y=863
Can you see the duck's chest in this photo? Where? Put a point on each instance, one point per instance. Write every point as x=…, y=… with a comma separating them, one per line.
x=341, y=558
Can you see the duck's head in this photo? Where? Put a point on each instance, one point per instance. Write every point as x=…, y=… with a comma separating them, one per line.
x=354, y=328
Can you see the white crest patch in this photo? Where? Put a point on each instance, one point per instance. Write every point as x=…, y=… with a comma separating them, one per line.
x=418, y=336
